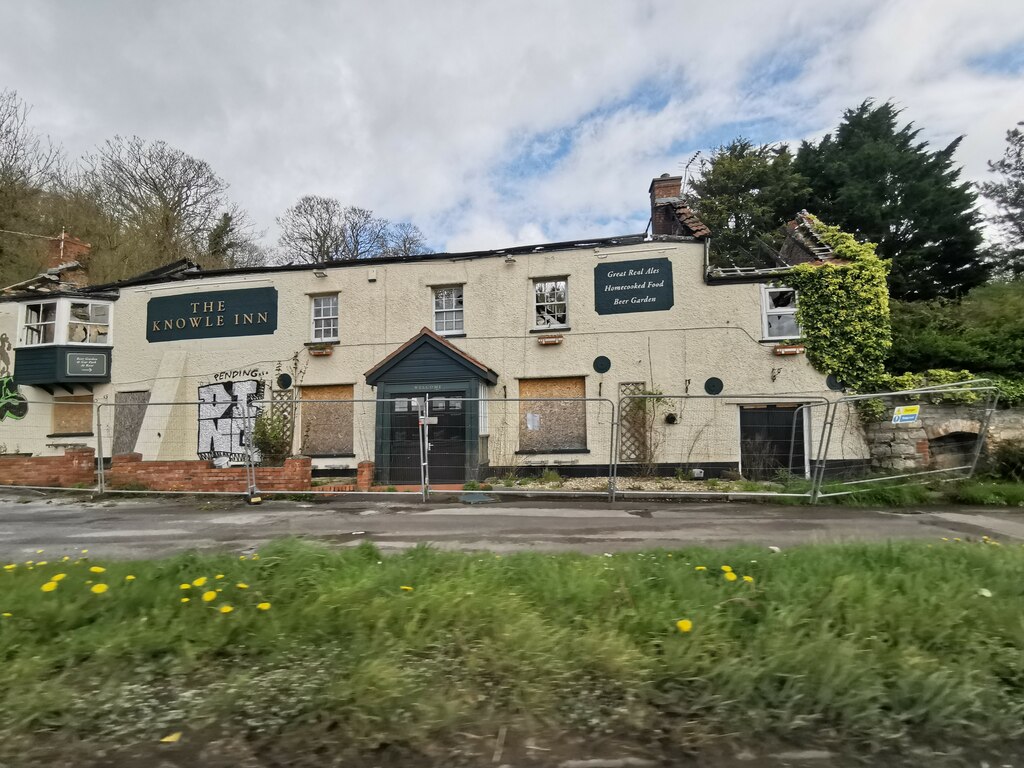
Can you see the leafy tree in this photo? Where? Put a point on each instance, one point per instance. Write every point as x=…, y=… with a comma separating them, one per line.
x=745, y=193
x=875, y=179
x=1008, y=195
x=318, y=230
x=983, y=332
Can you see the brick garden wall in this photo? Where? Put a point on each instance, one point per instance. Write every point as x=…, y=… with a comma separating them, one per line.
x=130, y=471
x=76, y=467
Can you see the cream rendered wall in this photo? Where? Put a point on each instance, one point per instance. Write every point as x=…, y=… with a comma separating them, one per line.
x=710, y=331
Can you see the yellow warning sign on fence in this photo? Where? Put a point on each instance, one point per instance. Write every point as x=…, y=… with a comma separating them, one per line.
x=906, y=414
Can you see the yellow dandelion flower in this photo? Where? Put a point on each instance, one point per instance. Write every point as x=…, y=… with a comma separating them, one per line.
x=405, y=589
x=6, y=615
x=684, y=625
x=65, y=559
x=727, y=568
x=255, y=557
x=226, y=609
x=171, y=738
x=29, y=562
x=957, y=538
x=749, y=579
x=730, y=576
x=85, y=551
x=58, y=577
x=241, y=557
x=209, y=596
x=263, y=606
x=97, y=569
x=219, y=576
x=99, y=589
x=43, y=562
x=184, y=599
x=701, y=568
x=945, y=538
x=49, y=586
x=242, y=585
x=199, y=582
x=985, y=538
x=129, y=577
x=39, y=551
x=10, y=566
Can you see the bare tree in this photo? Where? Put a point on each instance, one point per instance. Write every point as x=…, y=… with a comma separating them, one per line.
x=405, y=239
x=27, y=161
x=172, y=199
x=312, y=230
x=318, y=230
x=26, y=158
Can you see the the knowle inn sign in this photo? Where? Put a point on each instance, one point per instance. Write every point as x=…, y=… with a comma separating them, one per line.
x=245, y=312
x=517, y=348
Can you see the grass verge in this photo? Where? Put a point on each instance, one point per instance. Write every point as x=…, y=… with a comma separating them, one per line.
x=871, y=647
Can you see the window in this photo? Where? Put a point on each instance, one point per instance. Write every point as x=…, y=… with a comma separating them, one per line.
x=72, y=415
x=327, y=420
x=325, y=318
x=448, y=318
x=551, y=307
x=779, y=321
x=40, y=323
x=89, y=323
x=552, y=416
x=67, y=321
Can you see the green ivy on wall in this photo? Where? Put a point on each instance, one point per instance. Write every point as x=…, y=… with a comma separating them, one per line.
x=844, y=310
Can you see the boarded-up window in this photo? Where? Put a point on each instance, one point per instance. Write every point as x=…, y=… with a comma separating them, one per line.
x=129, y=412
x=552, y=425
x=72, y=415
x=327, y=426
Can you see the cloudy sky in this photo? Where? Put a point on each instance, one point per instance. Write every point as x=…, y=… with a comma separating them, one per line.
x=497, y=123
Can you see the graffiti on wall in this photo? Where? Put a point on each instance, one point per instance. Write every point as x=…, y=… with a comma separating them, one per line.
x=227, y=415
x=12, y=404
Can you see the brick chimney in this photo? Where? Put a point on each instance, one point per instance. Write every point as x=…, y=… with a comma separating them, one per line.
x=67, y=250
x=664, y=190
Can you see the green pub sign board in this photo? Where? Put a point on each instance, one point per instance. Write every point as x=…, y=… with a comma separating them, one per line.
x=212, y=315
x=85, y=364
x=633, y=286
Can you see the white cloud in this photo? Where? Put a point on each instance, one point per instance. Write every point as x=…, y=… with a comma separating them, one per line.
x=421, y=112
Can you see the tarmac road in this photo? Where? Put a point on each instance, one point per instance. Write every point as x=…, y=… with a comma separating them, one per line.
x=137, y=527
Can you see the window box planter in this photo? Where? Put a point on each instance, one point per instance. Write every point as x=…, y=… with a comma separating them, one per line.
x=321, y=350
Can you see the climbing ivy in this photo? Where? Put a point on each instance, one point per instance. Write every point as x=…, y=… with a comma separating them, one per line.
x=844, y=310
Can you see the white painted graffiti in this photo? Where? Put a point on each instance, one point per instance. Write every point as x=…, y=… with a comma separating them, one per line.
x=227, y=415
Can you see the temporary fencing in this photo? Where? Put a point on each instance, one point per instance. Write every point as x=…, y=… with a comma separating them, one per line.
x=647, y=444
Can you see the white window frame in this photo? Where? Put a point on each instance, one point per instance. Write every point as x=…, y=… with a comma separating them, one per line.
x=109, y=324
x=24, y=329
x=534, y=303
x=315, y=333
x=767, y=309
x=61, y=321
x=460, y=311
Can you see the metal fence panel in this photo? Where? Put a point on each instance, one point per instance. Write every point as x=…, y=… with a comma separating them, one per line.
x=700, y=445
x=48, y=443
x=914, y=436
x=523, y=446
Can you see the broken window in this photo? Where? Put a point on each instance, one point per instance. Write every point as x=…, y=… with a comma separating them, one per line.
x=551, y=303
x=779, y=313
x=40, y=323
x=89, y=323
